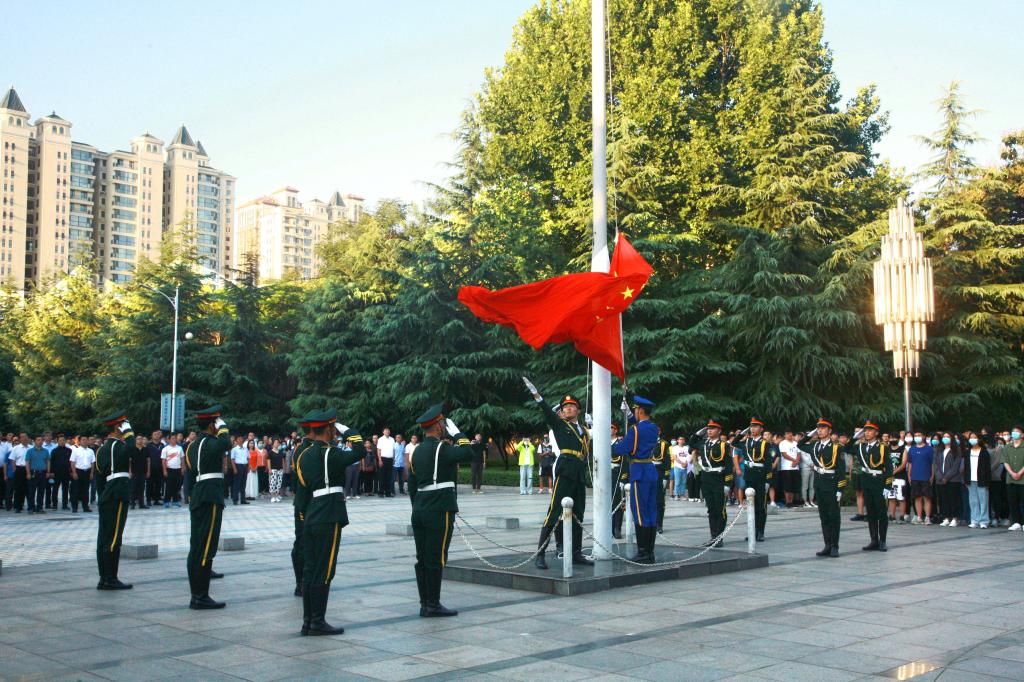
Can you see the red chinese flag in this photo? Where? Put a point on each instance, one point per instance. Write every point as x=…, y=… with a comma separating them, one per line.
x=581, y=307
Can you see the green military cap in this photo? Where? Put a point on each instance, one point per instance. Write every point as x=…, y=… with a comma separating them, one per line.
x=115, y=418
x=434, y=414
x=317, y=419
x=211, y=412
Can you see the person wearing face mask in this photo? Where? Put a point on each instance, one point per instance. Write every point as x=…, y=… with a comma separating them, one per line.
x=998, y=510
x=949, y=479
x=977, y=476
x=920, y=457
x=1013, y=463
x=896, y=493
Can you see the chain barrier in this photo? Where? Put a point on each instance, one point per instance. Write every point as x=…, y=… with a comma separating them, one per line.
x=533, y=555
x=493, y=542
x=677, y=562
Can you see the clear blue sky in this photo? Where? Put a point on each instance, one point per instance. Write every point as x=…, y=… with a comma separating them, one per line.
x=361, y=96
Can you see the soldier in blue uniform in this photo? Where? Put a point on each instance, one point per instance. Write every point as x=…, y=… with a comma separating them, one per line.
x=433, y=471
x=114, y=462
x=638, y=445
x=321, y=474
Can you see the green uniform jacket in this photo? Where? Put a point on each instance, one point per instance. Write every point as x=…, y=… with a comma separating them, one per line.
x=573, y=445
x=323, y=467
x=714, y=455
x=205, y=455
x=663, y=460
x=829, y=465
x=757, y=458
x=113, y=458
x=301, y=498
x=422, y=473
x=873, y=462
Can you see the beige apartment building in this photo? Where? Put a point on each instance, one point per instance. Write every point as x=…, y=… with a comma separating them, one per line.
x=284, y=232
x=64, y=201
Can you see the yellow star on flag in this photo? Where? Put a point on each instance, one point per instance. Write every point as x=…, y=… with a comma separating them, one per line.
x=628, y=293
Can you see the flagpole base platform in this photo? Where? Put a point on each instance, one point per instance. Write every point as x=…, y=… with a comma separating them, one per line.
x=603, y=575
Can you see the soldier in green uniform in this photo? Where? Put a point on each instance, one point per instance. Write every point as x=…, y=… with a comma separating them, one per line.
x=205, y=461
x=756, y=454
x=663, y=461
x=321, y=474
x=715, y=477
x=114, y=462
x=299, y=502
x=829, y=464
x=433, y=471
x=570, y=474
x=876, y=476
x=620, y=476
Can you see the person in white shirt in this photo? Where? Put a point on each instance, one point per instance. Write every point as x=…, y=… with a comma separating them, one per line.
x=5, y=488
x=17, y=457
x=239, y=471
x=171, y=457
x=789, y=467
x=82, y=461
x=680, y=458
x=385, y=463
x=807, y=480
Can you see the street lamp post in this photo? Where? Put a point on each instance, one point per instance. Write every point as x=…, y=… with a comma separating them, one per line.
x=174, y=352
x=904, y=297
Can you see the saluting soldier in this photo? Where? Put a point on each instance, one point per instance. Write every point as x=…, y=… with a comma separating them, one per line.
x=756, y=454
x=876, y=477
x=205, y=460
x=620, y=476
x=715, y=478
x=299, y=502
x=637, y=447
x=829, y=464
x=114, y=462
x=321, y=473
x=573, y=441
x=663, y=462
x=433, y=470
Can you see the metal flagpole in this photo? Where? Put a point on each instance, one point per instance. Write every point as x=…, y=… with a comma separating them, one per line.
x=602, y=408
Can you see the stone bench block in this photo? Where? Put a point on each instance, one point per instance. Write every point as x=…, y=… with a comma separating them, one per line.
x=402, y=529
x=139, y=551
x=235, y=544
x=503, y=522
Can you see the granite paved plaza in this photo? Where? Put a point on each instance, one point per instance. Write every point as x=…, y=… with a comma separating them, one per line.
x=942, y=603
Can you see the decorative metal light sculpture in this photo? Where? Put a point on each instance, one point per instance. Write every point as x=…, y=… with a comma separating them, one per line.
x=904, y=296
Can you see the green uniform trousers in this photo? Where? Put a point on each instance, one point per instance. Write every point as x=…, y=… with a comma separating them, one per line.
x=755, y=478
x=565, y=487
x=320, y=543
x=206, y=521
x=432, y=531
x=297, y=548
x=113, y=514
x=874, y=497
x=828, y=513
x=661, y=502
x=712, y=486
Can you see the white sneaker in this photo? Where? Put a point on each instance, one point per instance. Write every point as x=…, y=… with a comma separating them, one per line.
x=945, y=522
x=954, y=523
x=927, y=520
x=1015, y=526
x=773, y=505
x=984, y=525
x=973, y=525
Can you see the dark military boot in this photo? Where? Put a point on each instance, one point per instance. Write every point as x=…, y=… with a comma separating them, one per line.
x=873, y=530
x=650, y=547
x=545, y=535
x=578, y=558
x=297, y=569
x=421, y=587
x=641, y=546
x=307, y=610
x=617, y=524
x=883, y=530
x=201, y=600
x=827, y=536
x=114, y=563
x=434, y=608
x=318, y=626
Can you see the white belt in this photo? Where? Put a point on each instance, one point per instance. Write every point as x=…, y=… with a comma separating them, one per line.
x=824, y=471
x=334, y=489
x=715, y=470
x=207, y=477
x=873, y=472
x=436, y=486
x=119, y=474
x=754, y=464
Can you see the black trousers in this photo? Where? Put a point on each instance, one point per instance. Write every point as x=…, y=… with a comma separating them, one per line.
x=61, y=484
x=1014, y=499
x=20, y=488
x=37, y=490
x=384, y=477
x=477, y=474
x=139, y=490
x=4, y=500
x=238, y=483
x=80, y=489
x=949, y=500
x=173, y=486
x=997, y=499
x=155, y=485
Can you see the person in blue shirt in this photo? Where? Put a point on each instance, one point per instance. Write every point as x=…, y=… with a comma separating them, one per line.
x=398, y=471
x=638, y=444
x=920, y=459
x=37, y=468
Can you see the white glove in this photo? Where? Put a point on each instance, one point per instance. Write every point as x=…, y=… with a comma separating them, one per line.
x=745, y=431
x=725, y=489
x=532, y=389
x=812, y=432
x=341, y=428
x=703, y=432
x=220, y=423
x=839, y=496
x=589, y=421
x=858, y=434
x=451, y=428
x=124, y=427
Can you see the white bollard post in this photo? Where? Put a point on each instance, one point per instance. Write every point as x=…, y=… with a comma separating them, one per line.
x=627, y=520
x=751, y=520
x=567, y=549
